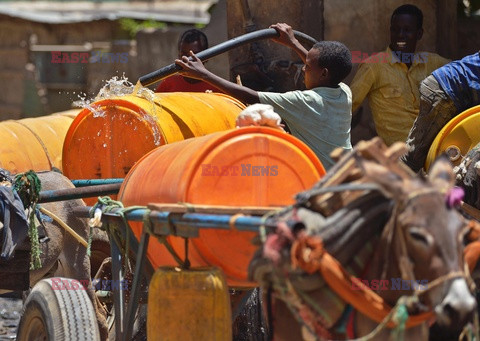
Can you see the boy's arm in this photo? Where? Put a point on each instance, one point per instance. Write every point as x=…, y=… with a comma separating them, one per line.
x=287, y=38
x=195, y=69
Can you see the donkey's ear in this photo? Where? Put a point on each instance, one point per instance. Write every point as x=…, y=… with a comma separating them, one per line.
x=441, y=174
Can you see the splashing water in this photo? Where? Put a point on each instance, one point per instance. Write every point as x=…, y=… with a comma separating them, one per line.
x=115, y=87
x=118, y=87
x=85, y=103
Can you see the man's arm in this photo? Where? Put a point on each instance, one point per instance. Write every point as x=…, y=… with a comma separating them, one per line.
x=195, y=69
x=361, y=85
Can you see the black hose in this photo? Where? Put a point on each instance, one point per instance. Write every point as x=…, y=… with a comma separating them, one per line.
x=213, y=51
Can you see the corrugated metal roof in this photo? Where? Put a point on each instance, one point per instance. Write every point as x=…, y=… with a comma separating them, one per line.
x=188, y=12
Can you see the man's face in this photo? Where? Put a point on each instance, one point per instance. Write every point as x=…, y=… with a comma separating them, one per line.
x=313, y=72
x=404, y=33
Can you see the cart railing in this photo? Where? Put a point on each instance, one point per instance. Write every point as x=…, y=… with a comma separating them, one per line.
x=163, y=220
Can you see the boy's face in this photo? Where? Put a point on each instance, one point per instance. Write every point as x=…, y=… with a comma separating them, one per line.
x=404, y=33
x=185, y=48
x=314, y=73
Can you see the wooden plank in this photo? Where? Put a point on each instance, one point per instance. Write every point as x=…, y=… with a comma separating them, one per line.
x=212, y=209
x=470, y=210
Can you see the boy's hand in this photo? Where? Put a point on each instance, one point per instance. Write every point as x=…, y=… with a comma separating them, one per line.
x=192, y=68
x=286, y=34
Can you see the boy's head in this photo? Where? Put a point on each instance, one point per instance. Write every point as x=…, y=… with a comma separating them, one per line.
x=327, y=64
x=406, y=28
x=192, y=40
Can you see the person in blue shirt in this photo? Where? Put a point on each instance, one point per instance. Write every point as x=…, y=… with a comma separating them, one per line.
x=444, y=94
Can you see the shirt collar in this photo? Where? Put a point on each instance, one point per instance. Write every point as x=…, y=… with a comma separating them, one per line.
x=417, y=57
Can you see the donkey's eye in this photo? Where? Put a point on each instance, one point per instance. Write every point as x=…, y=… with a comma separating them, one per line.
x=421, y=235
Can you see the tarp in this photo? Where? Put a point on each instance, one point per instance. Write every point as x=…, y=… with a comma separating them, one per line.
x=53, y=12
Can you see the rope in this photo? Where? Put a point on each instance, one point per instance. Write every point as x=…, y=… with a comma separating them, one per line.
x=40, y=141
x=265, y=217
x=470, y=332
x=190, y=207
x=163, y=240
x=28, y=187
x=233, y=220
x=308, y=254
x=398, y=315
x=106, y=204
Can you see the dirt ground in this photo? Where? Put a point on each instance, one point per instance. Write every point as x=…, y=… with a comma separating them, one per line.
x=10, y=310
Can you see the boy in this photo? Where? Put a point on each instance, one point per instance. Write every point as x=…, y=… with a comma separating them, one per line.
x=191, y=40
x=319, y=116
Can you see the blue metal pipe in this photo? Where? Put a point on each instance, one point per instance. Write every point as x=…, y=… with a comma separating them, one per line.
x=80, y=192
x=95, y=182
x=198, y=220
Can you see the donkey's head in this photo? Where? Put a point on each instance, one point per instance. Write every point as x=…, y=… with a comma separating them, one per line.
x=424, y=240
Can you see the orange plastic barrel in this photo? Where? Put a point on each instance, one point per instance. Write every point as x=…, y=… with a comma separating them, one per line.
x=34, y=143
x=107, y=139
x=251, y=166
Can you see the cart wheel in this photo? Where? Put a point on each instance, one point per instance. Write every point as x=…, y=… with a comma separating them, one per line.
x=58, y=311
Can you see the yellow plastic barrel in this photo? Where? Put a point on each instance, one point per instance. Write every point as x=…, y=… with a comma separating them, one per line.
x=457, y=137
x=34, y=143
x=188, y=305
x=251, y=166
x=107, y=139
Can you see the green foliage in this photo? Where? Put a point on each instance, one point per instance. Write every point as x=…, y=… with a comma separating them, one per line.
x=132, y=26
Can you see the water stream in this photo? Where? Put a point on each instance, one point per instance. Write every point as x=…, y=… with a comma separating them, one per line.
x=117, y=87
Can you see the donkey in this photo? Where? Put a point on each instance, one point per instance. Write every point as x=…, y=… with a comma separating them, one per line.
x=62, y=255
x=396, y=225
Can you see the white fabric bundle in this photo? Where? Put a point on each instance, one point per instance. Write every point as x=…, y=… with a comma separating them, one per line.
x=259, y=115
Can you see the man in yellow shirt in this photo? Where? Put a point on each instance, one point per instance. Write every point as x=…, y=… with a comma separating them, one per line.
x=390, y=79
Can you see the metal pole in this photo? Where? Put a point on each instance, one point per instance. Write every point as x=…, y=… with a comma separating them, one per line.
x=199, y=220
x=221, y=48
x=76, y=193
x=95, y=182
x=137, y=278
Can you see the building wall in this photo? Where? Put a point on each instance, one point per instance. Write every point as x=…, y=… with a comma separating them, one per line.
x=158, y=47
x=468, y=36
x=20, y=94
x=365, y=27
x=362, y=25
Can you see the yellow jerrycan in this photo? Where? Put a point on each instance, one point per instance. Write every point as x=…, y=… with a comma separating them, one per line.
x=188, y=305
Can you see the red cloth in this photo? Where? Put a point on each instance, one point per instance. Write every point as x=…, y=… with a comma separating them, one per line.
x=177, y=83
